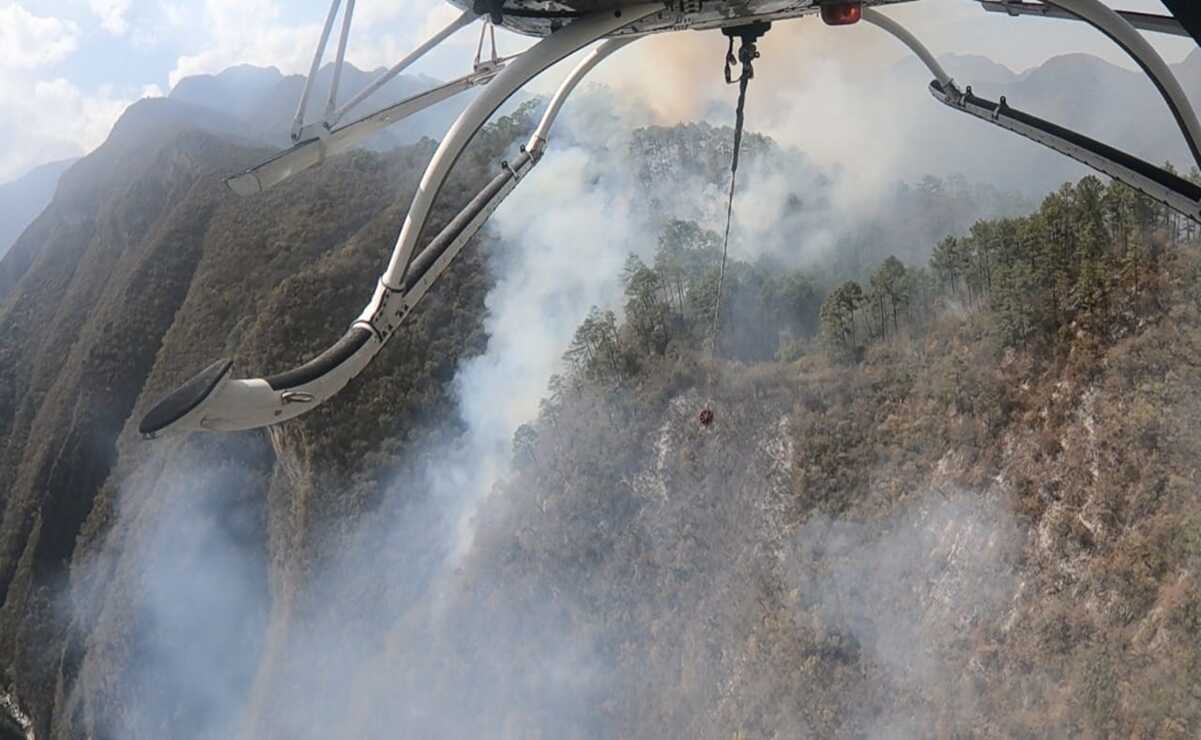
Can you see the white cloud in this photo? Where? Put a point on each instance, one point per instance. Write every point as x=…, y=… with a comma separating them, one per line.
x=46, y=116
x=175, y=15
x=53, y=119
x=28, y=41
x=440, y=16
x=384, y=35
x=272, y=33
x=249, y=32
x=111, y=14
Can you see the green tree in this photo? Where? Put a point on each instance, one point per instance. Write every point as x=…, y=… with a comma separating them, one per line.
x=947, y=263
x=594, y=351
x=684, y=254
x=890, y=291
x=646, y=313
x=838, y=318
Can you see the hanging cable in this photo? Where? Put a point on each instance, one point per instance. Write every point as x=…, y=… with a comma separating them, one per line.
x=747, y=54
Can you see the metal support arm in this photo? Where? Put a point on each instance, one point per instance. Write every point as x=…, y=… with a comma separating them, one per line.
x=878, y=19
x=338, y=60
x=1155, y=182
x=465, y=18
x=333, y=114
x=298, y=121
x=312, y=152
x=553, y=48
x=212, y=401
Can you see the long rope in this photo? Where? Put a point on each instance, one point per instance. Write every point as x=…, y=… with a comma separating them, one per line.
x=746, y=54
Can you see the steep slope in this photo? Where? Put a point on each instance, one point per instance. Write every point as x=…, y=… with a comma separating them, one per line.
x=143, y=250
x=847, y=555
x=95, y=282
x=148, y=270
x=964, y=534
x=111, y=174
x=24, y=198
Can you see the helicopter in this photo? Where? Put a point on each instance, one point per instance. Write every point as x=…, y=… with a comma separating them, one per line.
x=213, y=401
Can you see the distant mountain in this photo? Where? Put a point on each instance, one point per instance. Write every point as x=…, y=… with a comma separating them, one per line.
x=238, y=90
x=265, y=99
x=1107, y=102
x=1189, y=74
x=978, y=69
x=24, y=198
x=145, y=126
x=250, y=105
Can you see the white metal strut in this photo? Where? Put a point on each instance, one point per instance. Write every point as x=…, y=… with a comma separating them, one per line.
x=212, y=401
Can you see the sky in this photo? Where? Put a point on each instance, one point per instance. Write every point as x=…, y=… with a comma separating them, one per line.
x=68, y=68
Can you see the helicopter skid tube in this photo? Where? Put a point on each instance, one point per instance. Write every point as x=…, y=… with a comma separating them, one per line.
x=211, y=401
x=1155, y=182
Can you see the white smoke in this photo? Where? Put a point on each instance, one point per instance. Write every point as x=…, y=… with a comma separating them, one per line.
x=567, y=232
x=428, y=647
x=907, y=590
x=379, y=630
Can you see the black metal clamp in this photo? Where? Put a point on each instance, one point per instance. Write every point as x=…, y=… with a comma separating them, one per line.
x=747, y=52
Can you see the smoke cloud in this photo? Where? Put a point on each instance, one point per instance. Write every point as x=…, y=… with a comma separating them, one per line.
x=854, y=98
x=910, y=591
x=383, y=626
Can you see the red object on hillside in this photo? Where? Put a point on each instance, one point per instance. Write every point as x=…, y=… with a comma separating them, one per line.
x=705, y=417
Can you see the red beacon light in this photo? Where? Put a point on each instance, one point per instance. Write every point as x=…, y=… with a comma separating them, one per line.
x=842, y=14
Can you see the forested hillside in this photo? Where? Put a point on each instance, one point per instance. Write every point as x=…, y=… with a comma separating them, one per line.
x=963, y=503
x=950, y=491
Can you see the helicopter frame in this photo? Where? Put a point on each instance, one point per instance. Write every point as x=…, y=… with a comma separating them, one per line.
x=213, y=401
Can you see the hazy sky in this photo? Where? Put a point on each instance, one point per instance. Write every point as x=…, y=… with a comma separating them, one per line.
x=69, y=67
